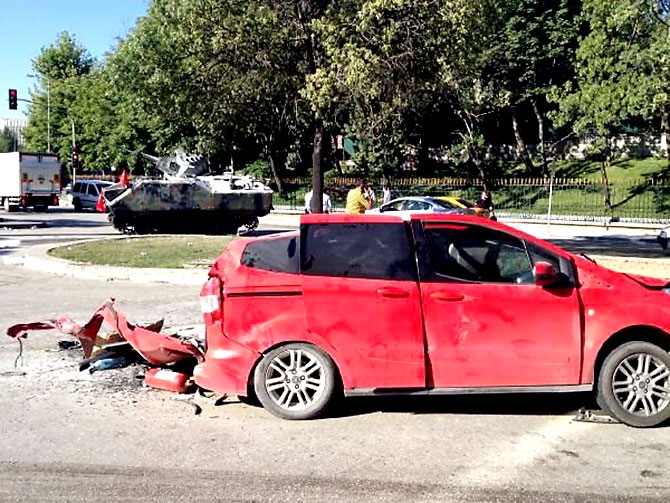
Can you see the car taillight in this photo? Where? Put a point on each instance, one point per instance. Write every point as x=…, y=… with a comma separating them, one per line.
x=211, y=303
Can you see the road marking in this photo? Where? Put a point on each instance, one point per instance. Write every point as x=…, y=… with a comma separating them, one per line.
x=9, y=243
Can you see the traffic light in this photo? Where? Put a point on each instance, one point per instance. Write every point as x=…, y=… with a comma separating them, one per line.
x=75, y=154
x=13, y=99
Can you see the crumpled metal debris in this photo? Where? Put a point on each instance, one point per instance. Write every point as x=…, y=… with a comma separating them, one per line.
x=155, y=347
x=594, y=416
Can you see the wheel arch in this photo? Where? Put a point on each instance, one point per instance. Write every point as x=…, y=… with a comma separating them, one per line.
x=642, y=333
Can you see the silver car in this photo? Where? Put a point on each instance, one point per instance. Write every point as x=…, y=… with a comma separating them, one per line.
x=422, y=205
x=85, y=193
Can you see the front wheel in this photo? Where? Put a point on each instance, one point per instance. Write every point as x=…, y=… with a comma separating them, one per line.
x=634, y=384
x=296, y=381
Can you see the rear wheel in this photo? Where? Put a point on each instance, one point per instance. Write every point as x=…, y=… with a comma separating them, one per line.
x=296, y=381
x=77, y=205
x=9, y=208
x=634, y=384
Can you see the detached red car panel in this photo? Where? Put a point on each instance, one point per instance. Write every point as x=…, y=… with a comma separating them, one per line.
x=429, y=304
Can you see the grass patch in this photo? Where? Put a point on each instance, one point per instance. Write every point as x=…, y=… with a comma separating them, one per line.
x=163, y=252
x=621, y=169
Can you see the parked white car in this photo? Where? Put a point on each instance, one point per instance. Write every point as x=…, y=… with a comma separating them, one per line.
x=85, y=193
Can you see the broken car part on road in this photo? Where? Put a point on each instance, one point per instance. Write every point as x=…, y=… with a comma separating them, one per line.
x=125, y=344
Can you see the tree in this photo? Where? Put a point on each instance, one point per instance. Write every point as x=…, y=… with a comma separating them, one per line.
x=622, y=72
x=388, y=64
x=533, y=51
x=8, y=140
x=60, y=68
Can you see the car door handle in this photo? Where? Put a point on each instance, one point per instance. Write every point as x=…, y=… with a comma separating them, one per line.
x=392, y=292
x=447, y=296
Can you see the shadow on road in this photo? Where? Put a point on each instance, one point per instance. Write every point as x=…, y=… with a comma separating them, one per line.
x=541, y=404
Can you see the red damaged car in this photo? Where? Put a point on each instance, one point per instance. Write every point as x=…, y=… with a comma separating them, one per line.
x=429, y=304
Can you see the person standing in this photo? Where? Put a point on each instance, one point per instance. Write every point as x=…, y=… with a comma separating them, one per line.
x=484, y=201
x=358, y=198
x=327, y=205
x=387, y=194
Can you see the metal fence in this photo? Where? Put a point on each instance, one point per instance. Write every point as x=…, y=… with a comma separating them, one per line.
x=645, y=201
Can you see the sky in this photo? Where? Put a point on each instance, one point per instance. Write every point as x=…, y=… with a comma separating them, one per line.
x=26, y=26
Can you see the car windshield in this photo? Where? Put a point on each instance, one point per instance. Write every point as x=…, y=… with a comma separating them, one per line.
x=444, y=204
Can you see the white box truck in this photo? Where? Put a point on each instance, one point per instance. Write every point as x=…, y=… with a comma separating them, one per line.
x=29, y=180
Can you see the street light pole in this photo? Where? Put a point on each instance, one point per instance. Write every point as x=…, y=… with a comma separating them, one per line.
x=48, y=115
x=74, y=146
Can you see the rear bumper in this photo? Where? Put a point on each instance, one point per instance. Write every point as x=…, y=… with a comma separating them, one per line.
x=227, y=365
x=40, y=200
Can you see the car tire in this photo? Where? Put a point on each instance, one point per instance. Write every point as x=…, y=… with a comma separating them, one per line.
x=77, y=205
x=634, y=384
x=296, y=381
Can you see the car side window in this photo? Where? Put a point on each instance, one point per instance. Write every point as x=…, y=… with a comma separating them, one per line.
x=469, y=253
x=77, y=187
x=92, y=190
x=366, y=250
x=278, y=255
x=411, y=205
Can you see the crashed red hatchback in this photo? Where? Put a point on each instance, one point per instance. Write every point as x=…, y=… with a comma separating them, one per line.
x=429, y=304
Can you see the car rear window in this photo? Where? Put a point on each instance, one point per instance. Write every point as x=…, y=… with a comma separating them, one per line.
x=366, y=250
x=278, y=255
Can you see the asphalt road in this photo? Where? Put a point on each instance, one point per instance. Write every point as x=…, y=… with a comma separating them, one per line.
x=71, y=436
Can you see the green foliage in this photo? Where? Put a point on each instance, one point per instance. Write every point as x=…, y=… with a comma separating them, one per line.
x=252, y=79
x=259, y=169
x=60, y=69
x=7, y=140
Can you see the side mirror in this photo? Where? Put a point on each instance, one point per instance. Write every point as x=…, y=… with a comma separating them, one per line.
x=545, y=274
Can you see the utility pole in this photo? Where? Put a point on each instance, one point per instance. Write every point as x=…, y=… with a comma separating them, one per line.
x=48, y=115
x=75, y=154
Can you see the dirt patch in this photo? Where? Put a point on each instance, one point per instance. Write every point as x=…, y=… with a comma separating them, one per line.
x=653, y=267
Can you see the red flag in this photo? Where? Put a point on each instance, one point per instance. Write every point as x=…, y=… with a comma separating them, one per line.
x=100, y=205
x=123, y=179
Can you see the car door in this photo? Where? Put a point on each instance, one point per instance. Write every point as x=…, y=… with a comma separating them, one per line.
x=91, y=195
x=487, y=323
x=361, y=296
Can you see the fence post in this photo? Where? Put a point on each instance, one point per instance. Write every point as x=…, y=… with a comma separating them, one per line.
x=551, y=196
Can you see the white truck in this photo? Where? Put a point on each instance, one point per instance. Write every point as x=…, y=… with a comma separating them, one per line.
x=29, y=179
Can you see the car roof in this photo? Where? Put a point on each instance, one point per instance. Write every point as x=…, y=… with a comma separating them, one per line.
x=102, y=182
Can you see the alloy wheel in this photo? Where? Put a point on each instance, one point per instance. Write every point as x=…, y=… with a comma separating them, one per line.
x=641, y=384
x=295, y=379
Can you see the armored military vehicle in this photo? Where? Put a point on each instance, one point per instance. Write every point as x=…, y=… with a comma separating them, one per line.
x=186, y=200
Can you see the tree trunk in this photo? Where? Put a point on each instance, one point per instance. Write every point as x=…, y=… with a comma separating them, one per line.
x=521, y=145
x=665, y=130
x=275, y=171
x=473, y=151
x=540, y=136
x=317, y=172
